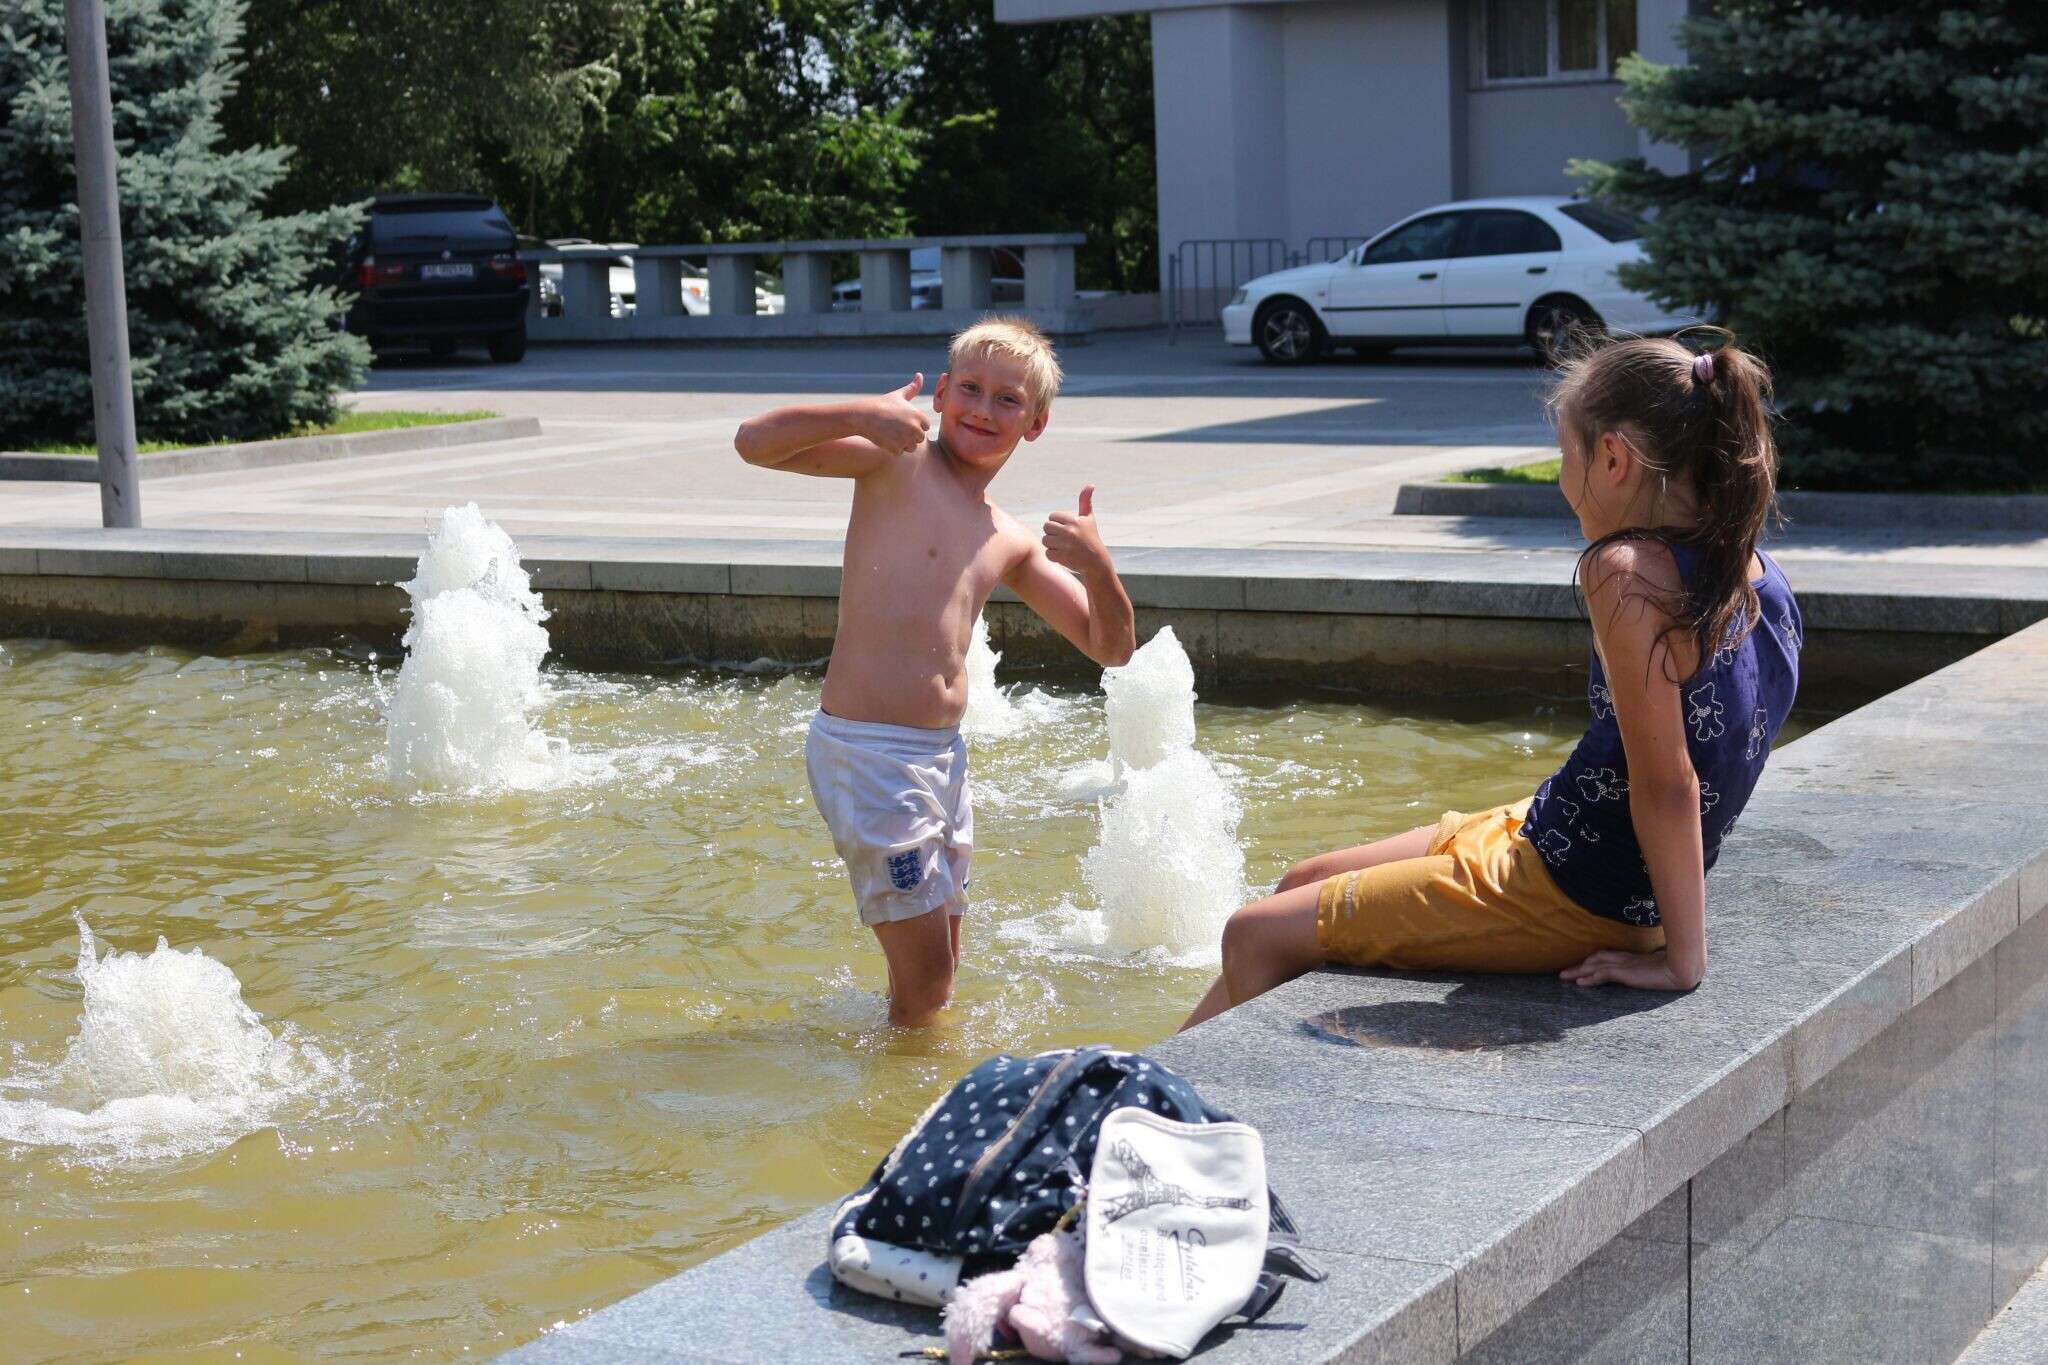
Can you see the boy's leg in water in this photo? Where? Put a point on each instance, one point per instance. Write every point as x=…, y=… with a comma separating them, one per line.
x=922, y=954
x=1274, y=940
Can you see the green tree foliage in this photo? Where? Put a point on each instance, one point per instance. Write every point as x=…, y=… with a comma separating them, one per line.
x=737, y=120
x=228, y=339
x=401, y=95
x=721, y=120
x=1038, y=128
x=1869, y=208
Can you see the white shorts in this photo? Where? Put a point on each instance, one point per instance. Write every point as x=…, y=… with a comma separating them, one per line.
x=895, y=798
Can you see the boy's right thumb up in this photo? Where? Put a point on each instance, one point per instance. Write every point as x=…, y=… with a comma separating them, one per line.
x=915, y=386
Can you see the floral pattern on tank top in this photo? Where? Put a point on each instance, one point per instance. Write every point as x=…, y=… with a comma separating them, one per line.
x=1734, y=708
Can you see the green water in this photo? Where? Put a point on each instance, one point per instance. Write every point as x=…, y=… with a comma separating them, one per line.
x=569, y=1041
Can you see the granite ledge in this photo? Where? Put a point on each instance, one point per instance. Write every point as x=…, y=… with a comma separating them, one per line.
x=1654, y=1087
x=1884, y=598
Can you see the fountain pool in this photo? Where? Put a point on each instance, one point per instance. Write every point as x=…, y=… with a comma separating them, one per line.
x=430, y=1070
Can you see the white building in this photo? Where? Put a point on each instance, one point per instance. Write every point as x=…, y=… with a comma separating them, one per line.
x=1286, y=120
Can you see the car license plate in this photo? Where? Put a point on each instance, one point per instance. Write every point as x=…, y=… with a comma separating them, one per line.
x=459, y=270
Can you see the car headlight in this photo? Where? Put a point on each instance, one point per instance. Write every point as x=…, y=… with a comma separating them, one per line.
x=1239, y=297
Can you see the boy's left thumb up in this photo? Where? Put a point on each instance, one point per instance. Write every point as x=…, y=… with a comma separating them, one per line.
x=1088, y=501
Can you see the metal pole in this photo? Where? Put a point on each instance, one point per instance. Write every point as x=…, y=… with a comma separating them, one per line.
x=106, y=296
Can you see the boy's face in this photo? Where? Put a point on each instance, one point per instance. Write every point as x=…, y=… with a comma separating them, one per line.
x=985, y=408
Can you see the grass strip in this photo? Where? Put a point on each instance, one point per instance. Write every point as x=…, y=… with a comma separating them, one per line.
x=1543, y=471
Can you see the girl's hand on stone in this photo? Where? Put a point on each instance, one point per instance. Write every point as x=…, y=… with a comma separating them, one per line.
x=895, y=422
x=1645, y=971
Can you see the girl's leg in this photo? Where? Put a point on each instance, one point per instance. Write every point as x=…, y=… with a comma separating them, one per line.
x=1274, y=940
x=1264, y=944
x=1322, y=867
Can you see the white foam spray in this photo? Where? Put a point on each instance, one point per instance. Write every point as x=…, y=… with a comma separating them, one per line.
x=1167, y=869
x=461, y=713
x=168, y=1061
x=992, y=712
x=989, y=711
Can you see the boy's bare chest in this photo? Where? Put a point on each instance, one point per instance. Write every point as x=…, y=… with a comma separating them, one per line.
x=929, y=543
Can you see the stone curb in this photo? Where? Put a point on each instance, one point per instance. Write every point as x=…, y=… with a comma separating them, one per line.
x=2016, y=1336
x=1961, y=511
x=27, y=465
x=1912, y=600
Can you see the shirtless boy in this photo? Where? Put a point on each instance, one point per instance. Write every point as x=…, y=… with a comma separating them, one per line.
x=924, y=549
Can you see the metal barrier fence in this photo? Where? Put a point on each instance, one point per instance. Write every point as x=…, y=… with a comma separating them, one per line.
x=1204, y=272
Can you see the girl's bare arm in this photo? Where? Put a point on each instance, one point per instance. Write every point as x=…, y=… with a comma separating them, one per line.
x=1644, y=665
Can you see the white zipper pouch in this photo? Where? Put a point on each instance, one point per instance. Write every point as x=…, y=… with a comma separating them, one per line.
x=1177, y=1217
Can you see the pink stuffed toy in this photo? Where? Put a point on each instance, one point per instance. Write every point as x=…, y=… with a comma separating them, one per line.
x=1038, y=1299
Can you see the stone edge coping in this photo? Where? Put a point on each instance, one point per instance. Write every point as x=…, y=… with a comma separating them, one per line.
x=1486, y=1134
x=598, y=250
x=2014, y=1336
x=1957, y=511
x=1519, y=585
x=1074, y=320
x=28, y=465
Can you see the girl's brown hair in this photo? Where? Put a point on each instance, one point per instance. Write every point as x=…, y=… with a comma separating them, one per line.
x=1698, y=415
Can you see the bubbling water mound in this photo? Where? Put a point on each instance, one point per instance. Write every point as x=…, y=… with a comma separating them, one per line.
x=1167, y=869
x=989, y=711
x=993, y=713
x=461, y=713
x=168, y=1061
x=1151, y=703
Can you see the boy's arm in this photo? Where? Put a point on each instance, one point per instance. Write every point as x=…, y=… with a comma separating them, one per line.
x=845, y=440
x=1070, y=580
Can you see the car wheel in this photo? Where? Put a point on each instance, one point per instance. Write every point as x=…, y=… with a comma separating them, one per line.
x=1288, y=333
x=509, y=347
x=1560, y=328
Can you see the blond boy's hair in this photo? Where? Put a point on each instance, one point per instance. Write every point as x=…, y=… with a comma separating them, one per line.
x=1019, y=339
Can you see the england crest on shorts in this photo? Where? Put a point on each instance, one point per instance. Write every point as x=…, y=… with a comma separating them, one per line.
x=904, y=870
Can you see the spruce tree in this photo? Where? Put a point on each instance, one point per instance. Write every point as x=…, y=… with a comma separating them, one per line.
x=230, y=336
x=1868, y=208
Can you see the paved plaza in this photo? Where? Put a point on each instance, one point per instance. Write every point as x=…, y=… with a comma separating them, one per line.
x=1197, y=445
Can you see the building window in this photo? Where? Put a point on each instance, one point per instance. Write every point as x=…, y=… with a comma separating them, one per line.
x=1524, y=41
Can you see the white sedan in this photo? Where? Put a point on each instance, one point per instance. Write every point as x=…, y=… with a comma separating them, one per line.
x=1477, y=272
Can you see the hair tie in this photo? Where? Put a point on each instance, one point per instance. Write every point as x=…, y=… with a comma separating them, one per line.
x=1703, y=368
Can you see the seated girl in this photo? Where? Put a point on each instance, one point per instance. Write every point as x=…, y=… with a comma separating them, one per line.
x=1600, y=876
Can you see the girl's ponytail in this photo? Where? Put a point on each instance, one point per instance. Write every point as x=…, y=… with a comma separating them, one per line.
x=1703, y=416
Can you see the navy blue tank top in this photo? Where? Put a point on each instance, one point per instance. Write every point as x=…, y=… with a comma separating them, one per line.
x=1734, y=708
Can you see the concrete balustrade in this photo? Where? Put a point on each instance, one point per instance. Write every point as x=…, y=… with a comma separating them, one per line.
x=658, y=285
x=884, y=281
x=586, y=287
x=732, y=286
x=886, y=297
x=964, y=274
x=806, y=283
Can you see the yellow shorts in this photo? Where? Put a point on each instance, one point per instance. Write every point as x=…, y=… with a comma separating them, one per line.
x=1481, y=900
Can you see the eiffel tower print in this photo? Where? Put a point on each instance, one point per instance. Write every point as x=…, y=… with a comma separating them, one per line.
x=1152, y=1190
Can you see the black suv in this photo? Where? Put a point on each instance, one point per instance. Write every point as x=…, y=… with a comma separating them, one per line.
x=437, y=269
